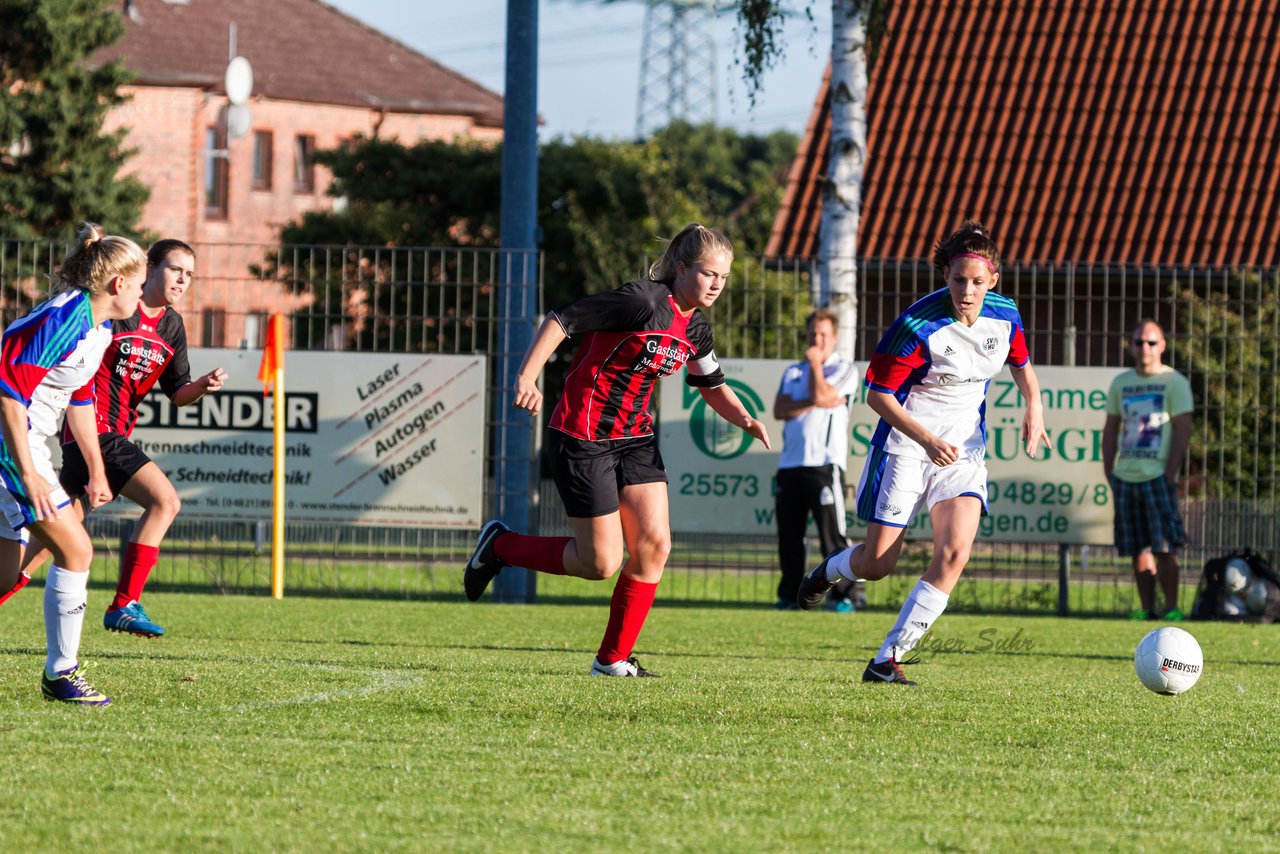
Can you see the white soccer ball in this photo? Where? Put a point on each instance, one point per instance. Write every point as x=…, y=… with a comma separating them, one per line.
x=1236, y=575
x=1168, y=660
x=1256, y=599
x=1232, y=606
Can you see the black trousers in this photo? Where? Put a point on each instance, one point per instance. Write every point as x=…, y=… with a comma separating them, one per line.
x=799, y=494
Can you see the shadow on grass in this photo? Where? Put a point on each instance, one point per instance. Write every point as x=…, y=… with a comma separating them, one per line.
x=151, y=654
x=560, y=649
x=599, y=598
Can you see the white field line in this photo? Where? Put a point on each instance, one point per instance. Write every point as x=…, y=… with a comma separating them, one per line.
x=382, y=680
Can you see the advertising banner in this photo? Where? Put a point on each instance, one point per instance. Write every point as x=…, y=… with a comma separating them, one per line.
x=372, y=439
x=722, y=480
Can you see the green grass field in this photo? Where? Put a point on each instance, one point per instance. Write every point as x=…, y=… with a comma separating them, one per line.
x=359, y=725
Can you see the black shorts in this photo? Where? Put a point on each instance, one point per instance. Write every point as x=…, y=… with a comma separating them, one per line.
x=121, y=458
x=589, y=475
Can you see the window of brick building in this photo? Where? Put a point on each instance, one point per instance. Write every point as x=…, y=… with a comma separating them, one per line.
x=216, y=173
x=262, y=160
x=304, y=169
x=213, y=327
x=255, y=326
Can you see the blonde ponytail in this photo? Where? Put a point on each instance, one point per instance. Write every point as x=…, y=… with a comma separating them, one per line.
x=96, y=259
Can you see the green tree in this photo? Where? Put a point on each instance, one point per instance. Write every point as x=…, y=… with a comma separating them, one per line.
x=601, y=206
x=57, y=166
x=858, y=26
x=393, y=297
x=1228, y=346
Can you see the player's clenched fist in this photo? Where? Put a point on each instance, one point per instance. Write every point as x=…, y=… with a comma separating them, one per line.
x=214, y=380
x=527, y=396
x=98, y=491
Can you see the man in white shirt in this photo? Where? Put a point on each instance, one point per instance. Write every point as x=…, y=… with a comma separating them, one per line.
x=813, y=400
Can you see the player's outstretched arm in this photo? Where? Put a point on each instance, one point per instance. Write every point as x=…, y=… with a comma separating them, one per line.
x=13, y=423
x=199, y=387
x=1033, y=421
x=726, y=404
x=83, y=425
x=549, y=336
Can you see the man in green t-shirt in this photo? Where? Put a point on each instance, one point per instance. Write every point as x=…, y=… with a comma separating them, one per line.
x=1143, y=443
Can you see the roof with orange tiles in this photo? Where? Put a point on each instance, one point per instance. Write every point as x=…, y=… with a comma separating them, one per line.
x=1079, y=130
x=301, y=50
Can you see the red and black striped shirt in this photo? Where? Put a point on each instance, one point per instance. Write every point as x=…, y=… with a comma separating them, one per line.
x=633, y=336
x=142, y=350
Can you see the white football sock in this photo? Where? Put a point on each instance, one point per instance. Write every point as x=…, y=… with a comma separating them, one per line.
x=838, y=567
x=923, y=607
x=65, y=597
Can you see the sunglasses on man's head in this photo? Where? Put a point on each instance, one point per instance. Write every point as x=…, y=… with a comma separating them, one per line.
x=1150, y=342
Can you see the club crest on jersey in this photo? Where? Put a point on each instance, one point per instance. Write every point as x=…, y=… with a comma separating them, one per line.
x=664, y=358
x=670, y=352
x=149, y=353
x=989, y=344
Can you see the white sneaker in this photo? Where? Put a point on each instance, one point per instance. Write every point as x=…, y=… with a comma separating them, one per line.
x=627, y=667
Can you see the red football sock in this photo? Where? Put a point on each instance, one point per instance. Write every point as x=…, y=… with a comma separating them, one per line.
x=134, y=569
x=543, y=554
x=23, y=578
x=627, y=612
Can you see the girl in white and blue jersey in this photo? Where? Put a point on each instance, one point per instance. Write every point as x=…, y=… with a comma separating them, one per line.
x=928, y=383
x=50, y=356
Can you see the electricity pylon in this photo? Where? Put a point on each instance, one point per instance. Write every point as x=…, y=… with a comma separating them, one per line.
x=677, y=64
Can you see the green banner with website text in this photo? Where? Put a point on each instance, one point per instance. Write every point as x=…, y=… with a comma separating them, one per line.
x=722, y=480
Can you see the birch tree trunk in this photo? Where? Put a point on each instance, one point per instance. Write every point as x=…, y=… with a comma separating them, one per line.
x=842, y=194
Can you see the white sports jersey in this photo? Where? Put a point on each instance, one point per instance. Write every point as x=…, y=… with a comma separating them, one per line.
x=819, y=436
x=939, y=370
x=50, y=357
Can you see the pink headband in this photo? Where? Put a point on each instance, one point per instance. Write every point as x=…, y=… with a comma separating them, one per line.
x=982, y=258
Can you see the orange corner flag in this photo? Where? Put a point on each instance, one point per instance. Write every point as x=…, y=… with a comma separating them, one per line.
x=272, y=354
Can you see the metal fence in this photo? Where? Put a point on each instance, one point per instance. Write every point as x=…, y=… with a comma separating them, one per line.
x=1222, y=326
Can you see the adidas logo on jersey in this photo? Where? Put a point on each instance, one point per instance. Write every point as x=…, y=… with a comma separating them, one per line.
x=948, y=351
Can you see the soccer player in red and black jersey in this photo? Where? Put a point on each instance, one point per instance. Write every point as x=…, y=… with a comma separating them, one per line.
x=604, y=455
x=147, y=348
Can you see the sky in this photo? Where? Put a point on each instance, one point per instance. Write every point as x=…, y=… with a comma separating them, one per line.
x=589, y=59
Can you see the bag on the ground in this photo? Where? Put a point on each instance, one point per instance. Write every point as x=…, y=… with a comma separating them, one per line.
x=1239, y=587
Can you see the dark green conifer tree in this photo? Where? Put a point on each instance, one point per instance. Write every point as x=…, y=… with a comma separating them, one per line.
x=57, y=165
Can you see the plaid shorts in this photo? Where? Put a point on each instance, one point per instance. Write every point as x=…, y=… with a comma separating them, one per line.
x=1147, y=518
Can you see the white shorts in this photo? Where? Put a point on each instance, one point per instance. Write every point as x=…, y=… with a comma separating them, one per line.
x=14, y=504
x=892, y=487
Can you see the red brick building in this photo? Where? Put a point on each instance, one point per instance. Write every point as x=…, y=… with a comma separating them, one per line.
x=320, y=78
